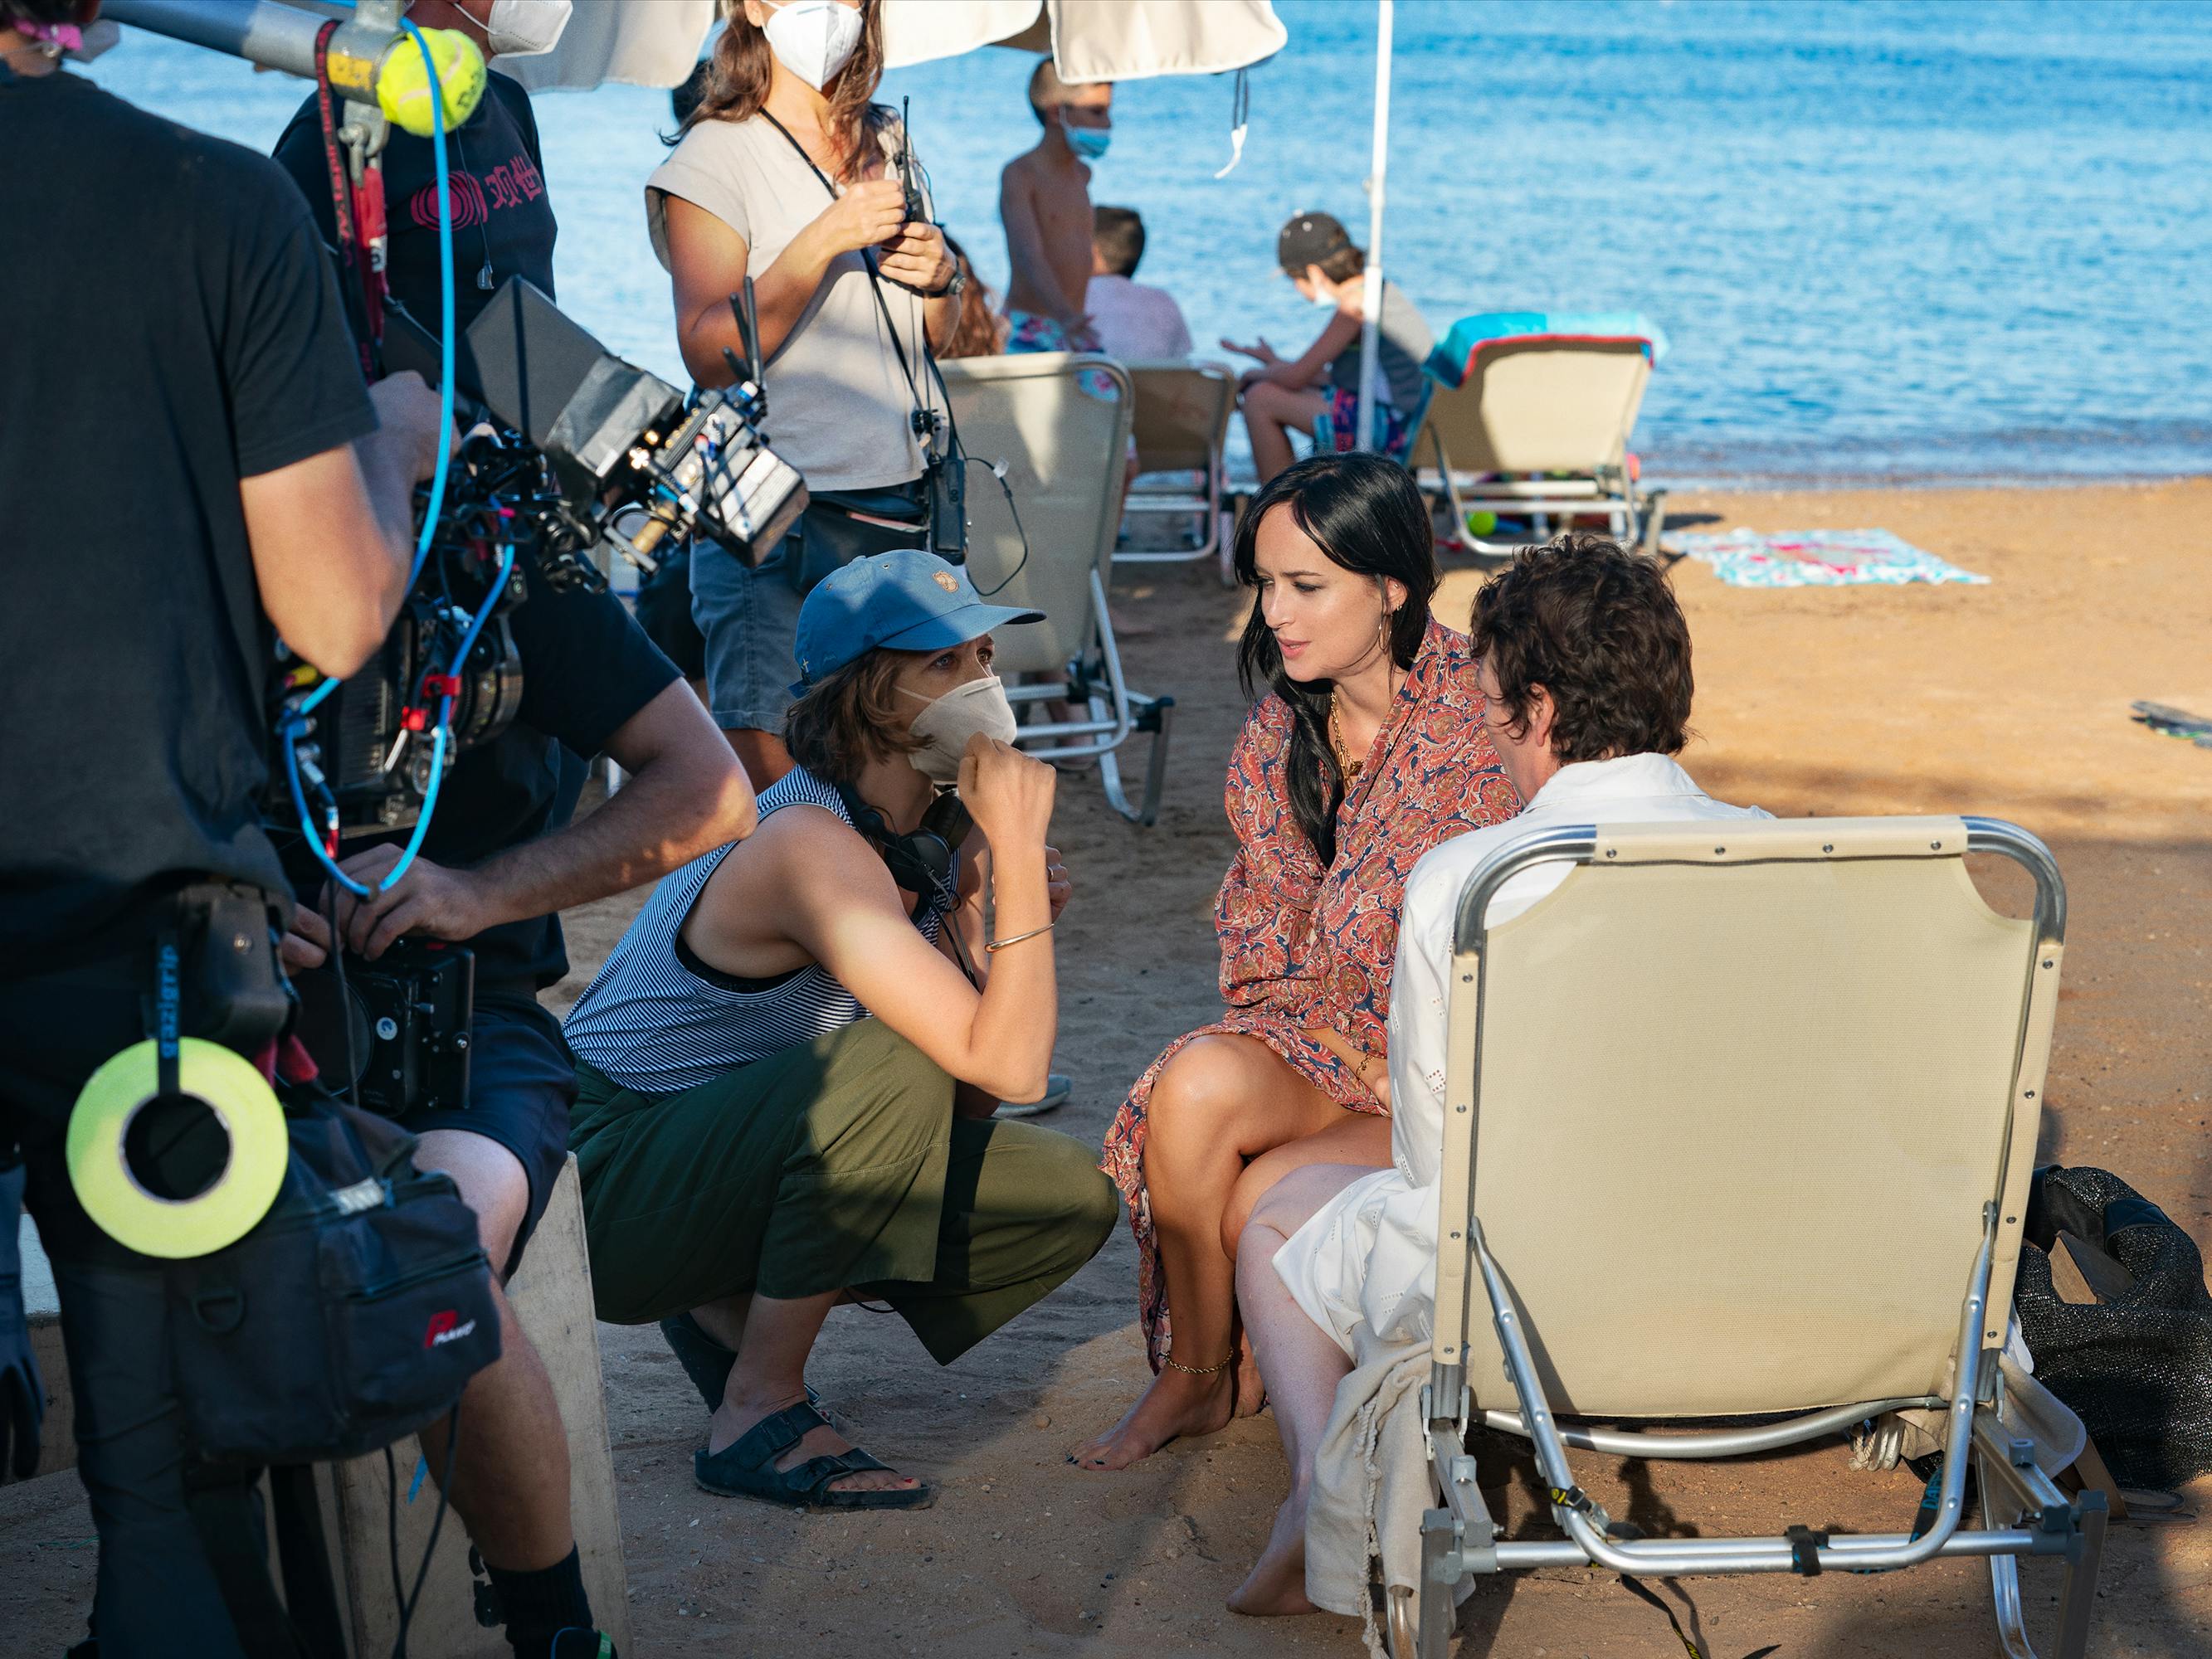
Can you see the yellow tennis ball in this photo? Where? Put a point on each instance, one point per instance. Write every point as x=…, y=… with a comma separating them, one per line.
x=402, y=84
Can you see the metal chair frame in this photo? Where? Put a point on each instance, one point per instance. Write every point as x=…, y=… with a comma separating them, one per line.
x=1091, y=676
x=1635, y=515
x=1096, y=682
x=1460, y=1539
x=1180, y=503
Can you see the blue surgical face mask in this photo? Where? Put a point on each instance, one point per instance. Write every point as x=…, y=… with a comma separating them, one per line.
x=1089, y=143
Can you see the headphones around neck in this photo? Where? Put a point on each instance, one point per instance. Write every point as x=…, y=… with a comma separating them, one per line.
x=926, y=860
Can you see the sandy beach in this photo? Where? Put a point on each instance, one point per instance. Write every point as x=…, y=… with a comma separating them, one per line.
x=2011, y=699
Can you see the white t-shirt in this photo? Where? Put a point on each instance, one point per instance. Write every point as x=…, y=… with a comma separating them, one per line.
x=1135, y=321
x=839, y=408
x=1369, y=1255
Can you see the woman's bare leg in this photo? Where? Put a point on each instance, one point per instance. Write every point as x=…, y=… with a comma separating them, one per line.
x=1220, y=1102
x=1360, y=1138
x=1302, y=1366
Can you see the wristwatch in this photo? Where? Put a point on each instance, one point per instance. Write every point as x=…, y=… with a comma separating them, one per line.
x=953, y=290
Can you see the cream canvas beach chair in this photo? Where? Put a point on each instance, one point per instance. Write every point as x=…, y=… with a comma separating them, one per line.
x=1181, y=423
x=1531, y=417
x=1740, y=1122
x=1046, y=541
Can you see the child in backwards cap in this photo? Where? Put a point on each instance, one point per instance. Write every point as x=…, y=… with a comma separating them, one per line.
x=1282, y=395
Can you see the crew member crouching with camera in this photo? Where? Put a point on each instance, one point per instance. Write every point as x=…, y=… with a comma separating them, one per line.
x=788, y=1065
x=188, y=460
x=501, y=856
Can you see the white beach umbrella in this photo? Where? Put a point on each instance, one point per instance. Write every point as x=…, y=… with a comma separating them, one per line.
x=1095, y=40
x=1090, y=40
x=637, y=43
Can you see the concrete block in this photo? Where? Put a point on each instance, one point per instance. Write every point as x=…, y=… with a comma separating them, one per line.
x=552, y=1295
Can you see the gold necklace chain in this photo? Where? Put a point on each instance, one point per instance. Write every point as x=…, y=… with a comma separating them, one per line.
x=1347, y=767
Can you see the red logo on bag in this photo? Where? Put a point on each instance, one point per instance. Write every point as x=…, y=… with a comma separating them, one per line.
x=446, y=1327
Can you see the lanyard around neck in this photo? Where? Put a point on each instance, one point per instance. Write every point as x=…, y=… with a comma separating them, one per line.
x=868, y=263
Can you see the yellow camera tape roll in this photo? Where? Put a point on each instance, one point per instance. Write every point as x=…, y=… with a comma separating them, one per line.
x=402, y=85
x=238, y=1197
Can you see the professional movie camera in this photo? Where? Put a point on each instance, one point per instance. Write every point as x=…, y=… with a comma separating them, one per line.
x=572, y=459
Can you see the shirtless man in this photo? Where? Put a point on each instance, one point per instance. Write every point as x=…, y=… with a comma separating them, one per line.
x=1044, y=197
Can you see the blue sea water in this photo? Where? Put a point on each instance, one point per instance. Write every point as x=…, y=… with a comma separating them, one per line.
x=1911, y=239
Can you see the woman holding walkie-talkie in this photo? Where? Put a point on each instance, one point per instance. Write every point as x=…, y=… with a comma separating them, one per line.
x=788, y=174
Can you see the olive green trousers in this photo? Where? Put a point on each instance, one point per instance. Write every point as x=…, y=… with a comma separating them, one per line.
x=835, y=1164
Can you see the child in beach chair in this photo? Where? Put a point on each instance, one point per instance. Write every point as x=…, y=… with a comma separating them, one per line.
x=787, y=1068
x=1584, y=659
x=1285, y=395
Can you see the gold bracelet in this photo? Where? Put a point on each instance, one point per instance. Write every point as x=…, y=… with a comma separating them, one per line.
x=992, y=946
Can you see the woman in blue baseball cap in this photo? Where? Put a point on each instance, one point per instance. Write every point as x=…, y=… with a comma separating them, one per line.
x=788, y=1065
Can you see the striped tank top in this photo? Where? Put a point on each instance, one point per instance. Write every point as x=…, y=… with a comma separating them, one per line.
x=656, y=1020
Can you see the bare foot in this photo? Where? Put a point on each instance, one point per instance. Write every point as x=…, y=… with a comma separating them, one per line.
x=1277, y=1584
x=729, y=1424
x=1176, y=1403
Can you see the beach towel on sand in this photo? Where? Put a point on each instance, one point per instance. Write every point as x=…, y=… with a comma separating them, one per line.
x=1815, y=558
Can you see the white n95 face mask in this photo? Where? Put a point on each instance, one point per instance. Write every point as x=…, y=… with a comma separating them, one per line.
x=813, y=38
x=524, y=28
x=946, y=726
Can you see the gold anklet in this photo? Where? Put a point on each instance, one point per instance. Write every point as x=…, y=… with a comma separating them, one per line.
x=1172, y=1363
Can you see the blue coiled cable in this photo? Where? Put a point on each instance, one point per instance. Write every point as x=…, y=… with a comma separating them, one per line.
x=437, y=504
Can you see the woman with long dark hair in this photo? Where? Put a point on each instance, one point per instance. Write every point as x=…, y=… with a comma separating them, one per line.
x=1365, y=749
x=788, y=172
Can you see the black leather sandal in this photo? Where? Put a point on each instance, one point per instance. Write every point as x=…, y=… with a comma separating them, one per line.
x=746, y=1469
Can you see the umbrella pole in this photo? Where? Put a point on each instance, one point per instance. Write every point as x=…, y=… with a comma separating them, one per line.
x=1370, y=299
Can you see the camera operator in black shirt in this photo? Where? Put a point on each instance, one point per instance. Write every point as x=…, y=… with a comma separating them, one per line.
x=190, y=466
x=501, y=856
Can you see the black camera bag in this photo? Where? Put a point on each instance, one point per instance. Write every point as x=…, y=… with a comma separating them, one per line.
x=354, y=1313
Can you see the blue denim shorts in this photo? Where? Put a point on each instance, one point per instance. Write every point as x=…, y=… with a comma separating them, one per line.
x=750, y=619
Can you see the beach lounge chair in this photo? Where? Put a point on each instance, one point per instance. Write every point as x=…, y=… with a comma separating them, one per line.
x=1059, y=451
x=1181, y=423
x=1790, y=1179
x=1531, y=417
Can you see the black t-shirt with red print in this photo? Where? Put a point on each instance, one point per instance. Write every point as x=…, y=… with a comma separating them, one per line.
x=502, y=221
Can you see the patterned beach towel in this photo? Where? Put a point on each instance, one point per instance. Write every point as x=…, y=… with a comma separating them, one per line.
x=1815, y=558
